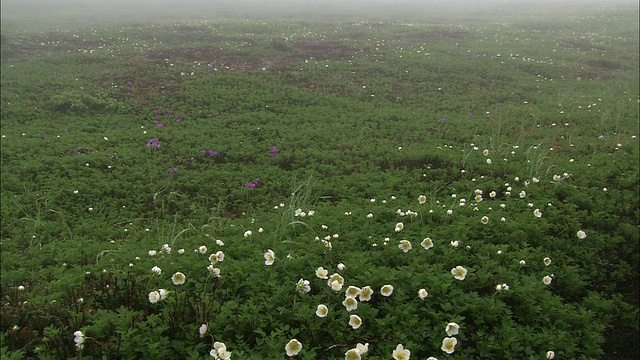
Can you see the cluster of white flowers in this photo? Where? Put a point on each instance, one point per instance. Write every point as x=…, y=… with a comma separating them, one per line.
x=357, y=352
x=79, y=339
x=220, y=352
x=159, y=295
x=502, y=287
x=299, y=213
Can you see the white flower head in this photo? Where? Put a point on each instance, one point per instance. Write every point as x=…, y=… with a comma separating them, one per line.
x=400, y=353
x=350, y=303
x=484, y=220
x=459, y=272
x=399, y=227
x=547, y=280
x=581, y=234
x=537, y=213
x=293, y=347
x=454, y=243
x=547, y=261
x=366, y=293
x=220, y=352
x=405, y=245
x=335, y=282
x=202, y=330
x=214, y=271
x=156, y=270
x=422, y=199
x=303, y=287
x=355, y=321
x=427, y=243
x=551, y=355
x=247, y=233
x=178, y=278
x=341, y=266
x=322, y=310
x=202, y=249
x=449, y=345
x=386, y=290
x=452, y=328
x=322, y=273
x=353, y=291
x=152, y=253
x=163, y=293
x=362, y=348
x=269, y=257
x=422, y=294
x=154, y=297
x=352, y=354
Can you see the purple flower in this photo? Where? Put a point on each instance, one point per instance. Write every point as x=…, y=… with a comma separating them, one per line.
x=212, y=153
x=471, y=116
x=602, y=137
x=157, y=112
x=180, y=118
x=173, y=170
x=129, y=83
x=250, y=185
x=153, y=142
x=274, y=151
x=441, y=120
x=169, y=111
x=203, y=152
x=159, y=125
x=257, y=181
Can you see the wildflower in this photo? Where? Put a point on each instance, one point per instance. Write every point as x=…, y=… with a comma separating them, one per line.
x=422, y=199
x=366, y=293
x=485, y=152
x=269, y=257
x=322, y=310
x=400, y=353
x=581, y=234
x=156, y=270
x=422, y=294
x=212, y=153
x=152, y=253
x=250, y=185
x=452, y=328
x=79, y=339
x=322, y=273
x=303, y=287
x=350, y=303
x=181, y=251
x=178, y=278
x=449, y=212
x=551, y=355
x=153, y=142
x=547, y=280
x=340, y=265
x=523, y=263
x=484, y=220
x=459, y=272
x=219, y=351
x=427, y=243
x=405, y=245
x=293, y=347
x=202, y=249
x=213, y=270
x=217, y=257
x=335, y=282
x=163, y=293
x=557, y=178
x=547, y=261
x=537, y=213
x=154, y=297
x=386, y=290
x=355, y=321
x=166, y=248
x=449, y=344
x=489, y=161
x=369, y=215
x=362, y=349
x=247, y=233
x=454, y=243
x=353, y=291
x=441, y=120
x=352, y=354
x=399, y=226
x=202, y=330
x=273, y=151
x=20, y=288
x=471, y=116
x=492, y=194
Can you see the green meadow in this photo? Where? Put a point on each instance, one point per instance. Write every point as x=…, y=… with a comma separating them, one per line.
x=396, y=183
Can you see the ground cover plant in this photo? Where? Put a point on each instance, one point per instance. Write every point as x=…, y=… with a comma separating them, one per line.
x=359, y=188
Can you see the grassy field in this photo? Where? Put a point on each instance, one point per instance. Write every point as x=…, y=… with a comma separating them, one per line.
x=205, y=182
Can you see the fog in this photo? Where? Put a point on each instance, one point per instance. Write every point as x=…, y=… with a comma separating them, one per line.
x=43, y=14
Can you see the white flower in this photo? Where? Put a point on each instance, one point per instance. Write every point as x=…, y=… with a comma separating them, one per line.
x=523, y=263
x=213, y=270
x=335, y=282
x=449, y=345
x=459, y=272
x=386, y=290
x=452, y=328
x=537, y=213
x=581, y=234
x=426, y=243
x=422, y=199
x=79, y=339
x=202, y=330
x=484, y=220
x=156, y=270
x=247, y=233
x=551, y=355
x=166, y=249
x=202, y=249
x=547, y=261
x=322, y=310
x=219, y=351
x=20, y=288
x=454, y=243
x=405, y=245
x=152, y=253
x=366, y=293
x=492, y=194
x=352, y=354
x=341, y=266
x=181, y=251
x=485, y=152
x=557, y=178
x=400, y=353
x=269, y=257
x=355, y=321
x=489, y=161
x=217, y=257
x=431, y=358
x=350, y=303
x=303, y=287
x=362, y=349
x=522, y=194
x=449, y=212
x=154, y=297
x=547, y=280
x=369, y=216
x=322, y=273
x=178, y=278
x=499, y=287
x=163, y=293
x=399, y=226
x=293, y=347
x=353, y=291
x=422, y=293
